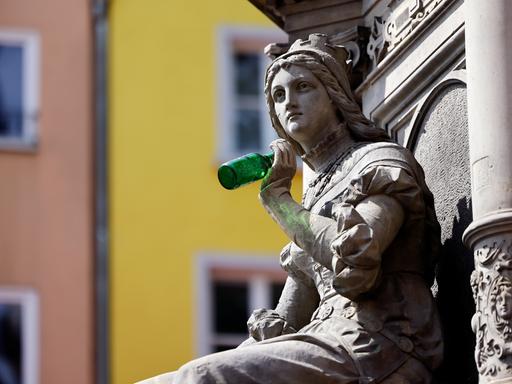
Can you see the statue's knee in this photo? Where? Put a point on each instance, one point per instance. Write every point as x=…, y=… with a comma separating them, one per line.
x=195, y=371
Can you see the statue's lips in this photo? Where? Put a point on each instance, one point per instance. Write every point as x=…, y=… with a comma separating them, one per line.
x=292, y=115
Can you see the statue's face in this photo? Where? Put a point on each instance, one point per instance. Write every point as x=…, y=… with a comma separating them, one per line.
x=504, y=303
x=303, y=106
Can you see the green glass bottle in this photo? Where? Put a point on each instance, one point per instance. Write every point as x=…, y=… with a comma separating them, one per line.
x=244, y=170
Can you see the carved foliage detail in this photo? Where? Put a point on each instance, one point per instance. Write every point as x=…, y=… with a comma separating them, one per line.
x=492, y=323
x=497, y=254
x=395, y=24
x=377, y=44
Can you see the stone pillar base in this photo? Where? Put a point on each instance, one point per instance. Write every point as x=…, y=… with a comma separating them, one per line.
x=501, y=381
x=490, y=238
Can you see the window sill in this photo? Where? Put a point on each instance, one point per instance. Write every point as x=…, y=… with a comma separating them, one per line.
x=18, y=146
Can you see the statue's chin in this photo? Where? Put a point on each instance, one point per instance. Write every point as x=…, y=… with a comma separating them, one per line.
x=297, y=131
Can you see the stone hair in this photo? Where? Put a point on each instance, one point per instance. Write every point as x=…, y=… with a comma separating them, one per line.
x=358, y=125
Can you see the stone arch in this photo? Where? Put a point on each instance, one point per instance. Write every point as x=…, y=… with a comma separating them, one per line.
x=439, y=140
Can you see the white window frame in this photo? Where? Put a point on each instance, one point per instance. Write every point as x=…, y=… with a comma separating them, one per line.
x=259, y=292
x=29, y=303
x=29, y=41
x=226, y=116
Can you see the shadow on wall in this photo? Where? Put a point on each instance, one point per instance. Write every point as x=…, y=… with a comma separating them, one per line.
x=441, y=145
x=455, y=302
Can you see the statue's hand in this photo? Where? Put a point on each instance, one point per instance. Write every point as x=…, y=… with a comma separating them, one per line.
x=284, y=165
x=266, y=323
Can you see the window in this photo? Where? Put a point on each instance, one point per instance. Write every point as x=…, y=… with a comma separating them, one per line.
x=243, y=124
x=18, y=336
x=19, y=65
x=229, y=289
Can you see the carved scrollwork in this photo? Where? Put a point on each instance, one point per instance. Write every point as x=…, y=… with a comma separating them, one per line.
x=492, y=323
x=377, y=44
x=487, y=254
x=397, y=22
x=497, y=254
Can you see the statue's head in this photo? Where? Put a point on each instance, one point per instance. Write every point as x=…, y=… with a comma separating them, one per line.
x=500, y=303
x=504, y=300
x=329, y=64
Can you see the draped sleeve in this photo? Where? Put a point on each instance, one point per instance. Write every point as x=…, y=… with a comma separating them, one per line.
x=361, y=213
x=358, y=247
x=296, y=263
x=395, y=180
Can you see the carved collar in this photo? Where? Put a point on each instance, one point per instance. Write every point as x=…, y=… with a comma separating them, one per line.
x=329, y=149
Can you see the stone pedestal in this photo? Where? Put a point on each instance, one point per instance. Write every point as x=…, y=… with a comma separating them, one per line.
x=489, y=64
x=491, y=282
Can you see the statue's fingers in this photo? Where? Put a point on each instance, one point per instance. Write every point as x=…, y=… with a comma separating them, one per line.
x=290, y=154
x=278, y=155
x=285, y=153
x=293, y=158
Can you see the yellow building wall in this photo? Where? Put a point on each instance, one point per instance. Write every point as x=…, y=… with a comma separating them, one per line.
x=165, y=201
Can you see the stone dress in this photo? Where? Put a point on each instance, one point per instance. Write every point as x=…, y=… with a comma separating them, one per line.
x=376, y=320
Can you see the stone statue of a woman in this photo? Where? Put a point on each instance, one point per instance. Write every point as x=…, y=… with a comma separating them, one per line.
x=356, y=307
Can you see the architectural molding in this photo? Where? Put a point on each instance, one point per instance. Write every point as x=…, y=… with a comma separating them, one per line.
x=490, y=234
x=458, y=76
x=398, y=22
x=491, y=282
x=388, y=42
x=389, y=95
x=499, y=222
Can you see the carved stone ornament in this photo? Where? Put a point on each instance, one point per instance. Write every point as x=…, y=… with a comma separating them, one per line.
x=492, y=323
x=398, y=21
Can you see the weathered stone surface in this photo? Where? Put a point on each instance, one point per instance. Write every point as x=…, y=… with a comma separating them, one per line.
x=490, y=234
x=299, y=18
x=397, y=23
x=357, y=305
x=413, y=45
x=442, y=149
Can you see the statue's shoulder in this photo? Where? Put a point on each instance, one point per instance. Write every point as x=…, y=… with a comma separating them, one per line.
x=382, y=150
x=381, y=162
x=383, y=154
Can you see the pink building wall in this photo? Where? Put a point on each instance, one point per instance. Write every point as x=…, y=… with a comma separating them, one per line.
x=46, y=200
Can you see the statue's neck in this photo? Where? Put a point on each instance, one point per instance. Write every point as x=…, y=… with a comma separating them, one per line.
x=329, y=148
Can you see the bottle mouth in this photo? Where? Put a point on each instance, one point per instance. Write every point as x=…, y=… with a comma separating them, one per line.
x=227, y=177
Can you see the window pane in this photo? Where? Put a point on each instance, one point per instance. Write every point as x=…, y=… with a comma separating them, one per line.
x=10, y=344
x=277, y=288
x=247, y=74
x=248, y=134
x=11, y=106
x=230, y=300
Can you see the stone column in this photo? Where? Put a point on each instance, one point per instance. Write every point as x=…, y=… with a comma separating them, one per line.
x=489, y=69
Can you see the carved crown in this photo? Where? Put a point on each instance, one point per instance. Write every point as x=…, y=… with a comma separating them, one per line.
x=335, y=57
x=319, y=43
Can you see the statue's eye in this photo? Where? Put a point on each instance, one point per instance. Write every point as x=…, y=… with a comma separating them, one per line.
x=278, y=96
x=303, y=86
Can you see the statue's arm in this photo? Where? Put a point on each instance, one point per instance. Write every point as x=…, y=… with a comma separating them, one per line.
x=297, y=303
x=352, y=242
x=376, y=220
